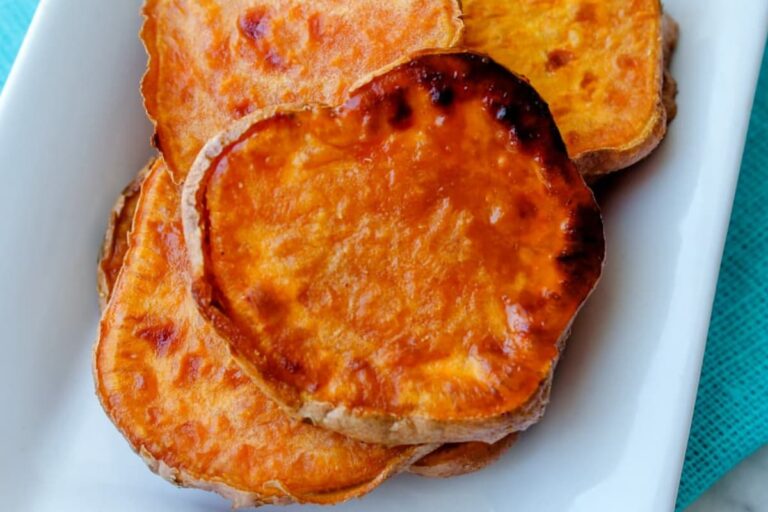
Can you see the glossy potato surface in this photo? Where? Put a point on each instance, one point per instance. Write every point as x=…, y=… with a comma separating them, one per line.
x=598, y=63
x=214, y=61
x=168, y=383
x=415, y=254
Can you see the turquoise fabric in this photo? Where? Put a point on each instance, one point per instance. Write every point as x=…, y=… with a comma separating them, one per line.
x=731, y=418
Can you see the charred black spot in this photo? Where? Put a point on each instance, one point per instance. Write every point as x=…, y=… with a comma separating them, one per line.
x=156, y=142
x=585, y=228
x=444, y=86
x=400, y=111
x=525, y=125
x=442, y=96
x=508, y=97
x=582, y=260
x=528, y=133
x=217, y=301
x=571, y=257
x=529, y=120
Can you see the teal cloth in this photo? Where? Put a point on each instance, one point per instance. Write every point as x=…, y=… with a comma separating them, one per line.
x=731, y=417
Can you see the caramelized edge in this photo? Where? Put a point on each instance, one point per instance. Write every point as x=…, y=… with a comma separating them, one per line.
x=372, y=428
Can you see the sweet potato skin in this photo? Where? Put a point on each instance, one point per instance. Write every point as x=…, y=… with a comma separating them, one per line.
x=456, y=459
x=599, y=64
x=168, y=383
x=213, y=62
x=362, y=336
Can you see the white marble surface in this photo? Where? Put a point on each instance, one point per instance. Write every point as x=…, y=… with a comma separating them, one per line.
x=745, y=489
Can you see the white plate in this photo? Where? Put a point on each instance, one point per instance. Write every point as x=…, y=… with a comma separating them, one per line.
x=72, y=132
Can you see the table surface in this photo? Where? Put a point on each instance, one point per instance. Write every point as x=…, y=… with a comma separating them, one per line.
x=744, y=489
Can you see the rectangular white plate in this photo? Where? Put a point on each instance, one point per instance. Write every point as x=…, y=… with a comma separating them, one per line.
x=73, y=132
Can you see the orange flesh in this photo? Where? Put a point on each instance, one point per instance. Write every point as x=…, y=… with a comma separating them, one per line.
x=215, y=61
x=168, y=383
x=417, y=251
x=597, y=63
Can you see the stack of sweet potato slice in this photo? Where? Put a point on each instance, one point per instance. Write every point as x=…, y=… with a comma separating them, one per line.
x=364, y=241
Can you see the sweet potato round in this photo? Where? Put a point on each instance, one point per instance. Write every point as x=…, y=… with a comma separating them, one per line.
x=213, y=62
x=405, y=267
x=599, y=64
x=168, y=383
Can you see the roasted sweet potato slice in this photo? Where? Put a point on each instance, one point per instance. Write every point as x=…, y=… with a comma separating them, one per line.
x=115, y=243
x=598, y=63
x=454, y=459
x=402, y=268
x=213, y=62
x=448, y=460
x=168, y=383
